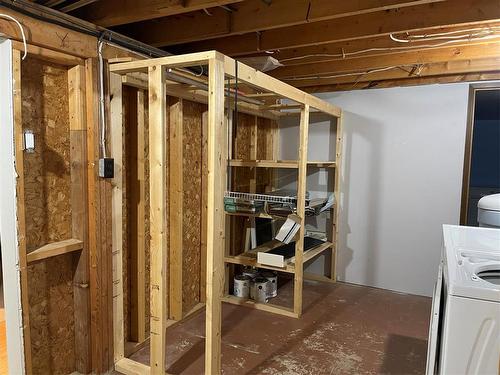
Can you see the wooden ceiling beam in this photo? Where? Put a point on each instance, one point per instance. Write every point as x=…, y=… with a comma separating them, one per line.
x=432, y=55
x=109, y=13
x=431, y=80
x=254, y=15
x=374, y=46
x=442, y=68
x=427, y=16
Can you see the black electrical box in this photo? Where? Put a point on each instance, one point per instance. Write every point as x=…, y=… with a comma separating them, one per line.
x=106, y=167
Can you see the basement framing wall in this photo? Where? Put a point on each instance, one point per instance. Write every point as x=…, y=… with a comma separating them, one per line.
x=165, y=127
x=63, y=208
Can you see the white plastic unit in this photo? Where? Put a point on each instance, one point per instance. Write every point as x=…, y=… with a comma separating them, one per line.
x=488, y=211
x=467, y=333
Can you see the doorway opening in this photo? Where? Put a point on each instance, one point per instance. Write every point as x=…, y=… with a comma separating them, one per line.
x=482, y=150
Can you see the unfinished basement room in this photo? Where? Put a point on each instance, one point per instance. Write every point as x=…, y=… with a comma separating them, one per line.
x=277, y=187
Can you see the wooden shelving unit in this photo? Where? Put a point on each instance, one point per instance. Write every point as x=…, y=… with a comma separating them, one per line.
x=235, y=257
x=151, y=75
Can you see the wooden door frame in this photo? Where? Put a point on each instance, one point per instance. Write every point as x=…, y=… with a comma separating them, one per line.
x=473, y=89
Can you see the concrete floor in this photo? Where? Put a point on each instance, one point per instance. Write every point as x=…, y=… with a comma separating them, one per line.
x=345, y=329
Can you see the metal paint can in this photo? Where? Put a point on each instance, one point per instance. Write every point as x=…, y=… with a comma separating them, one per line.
x=259, y=289
x=250, y=272
x=272, y=286
x=242, y=286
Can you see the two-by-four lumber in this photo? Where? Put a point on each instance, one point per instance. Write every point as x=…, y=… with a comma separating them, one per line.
x=336, y=188
x=99, y=240
x=301, y=198
x=116, y=148
x=54, y=249
x=158, y=216
x=21, y=211
x=216, y=184
x=140, y=199
x=79, y=225
x=190, y=59
x=175, y=170
x=262, y=80
x=203, y=210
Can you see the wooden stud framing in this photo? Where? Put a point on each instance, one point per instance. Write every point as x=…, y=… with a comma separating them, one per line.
x=216, y=184
x=176, y=199
x=301, y=198
x=215, y=131
x=21, y=215
x=158, y=215
x=117, y=139
x=140, y=260
x=99, y=204
x=336, y=189
x=78, y=144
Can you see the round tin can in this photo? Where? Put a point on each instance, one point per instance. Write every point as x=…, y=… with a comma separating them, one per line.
x=272, y=286
x=242, y=286
x=259, y=289
x=250, y=272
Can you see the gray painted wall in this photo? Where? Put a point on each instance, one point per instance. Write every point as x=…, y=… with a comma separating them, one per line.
x=403, y=160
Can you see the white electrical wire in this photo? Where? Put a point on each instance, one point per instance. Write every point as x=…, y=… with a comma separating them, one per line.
x=22, y=32
x=492, y=35
x=344, y=74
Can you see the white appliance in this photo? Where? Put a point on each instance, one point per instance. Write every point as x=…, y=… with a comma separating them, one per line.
x=464, y=335
x=488, y=211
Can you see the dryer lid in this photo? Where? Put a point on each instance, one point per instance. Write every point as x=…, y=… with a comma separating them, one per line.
x=490, y=202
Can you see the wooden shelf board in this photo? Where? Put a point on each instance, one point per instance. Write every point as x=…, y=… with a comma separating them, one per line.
x=249, y=258
x=54, y=249
x=314, y=252
x=260, y=215
x=292, y=164
x=250, y=261
x=269, y=307
x=321, y=164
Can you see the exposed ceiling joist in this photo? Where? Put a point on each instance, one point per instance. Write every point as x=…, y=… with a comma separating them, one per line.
x=378, y=45
x=448, y=13
x=117, y=12
x=255, y=15
x=440, y=79
x=400, y=72
x=433, y=55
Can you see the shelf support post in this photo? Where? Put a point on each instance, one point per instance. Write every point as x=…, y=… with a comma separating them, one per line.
x=158, y=216
x=216, y=184
x=301, y=198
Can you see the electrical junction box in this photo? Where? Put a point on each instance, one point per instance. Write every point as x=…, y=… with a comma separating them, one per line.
x=106, y=167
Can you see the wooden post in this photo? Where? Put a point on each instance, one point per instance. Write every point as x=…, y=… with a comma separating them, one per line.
x=301, y=198
x=336, y=207
x=99, y=199
x=176, y=205
x=78, y=144
x=216, y=184
x=158, y=216
x=141, y=214
x=116, y=137
x=21, y=213
x=204, y=198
